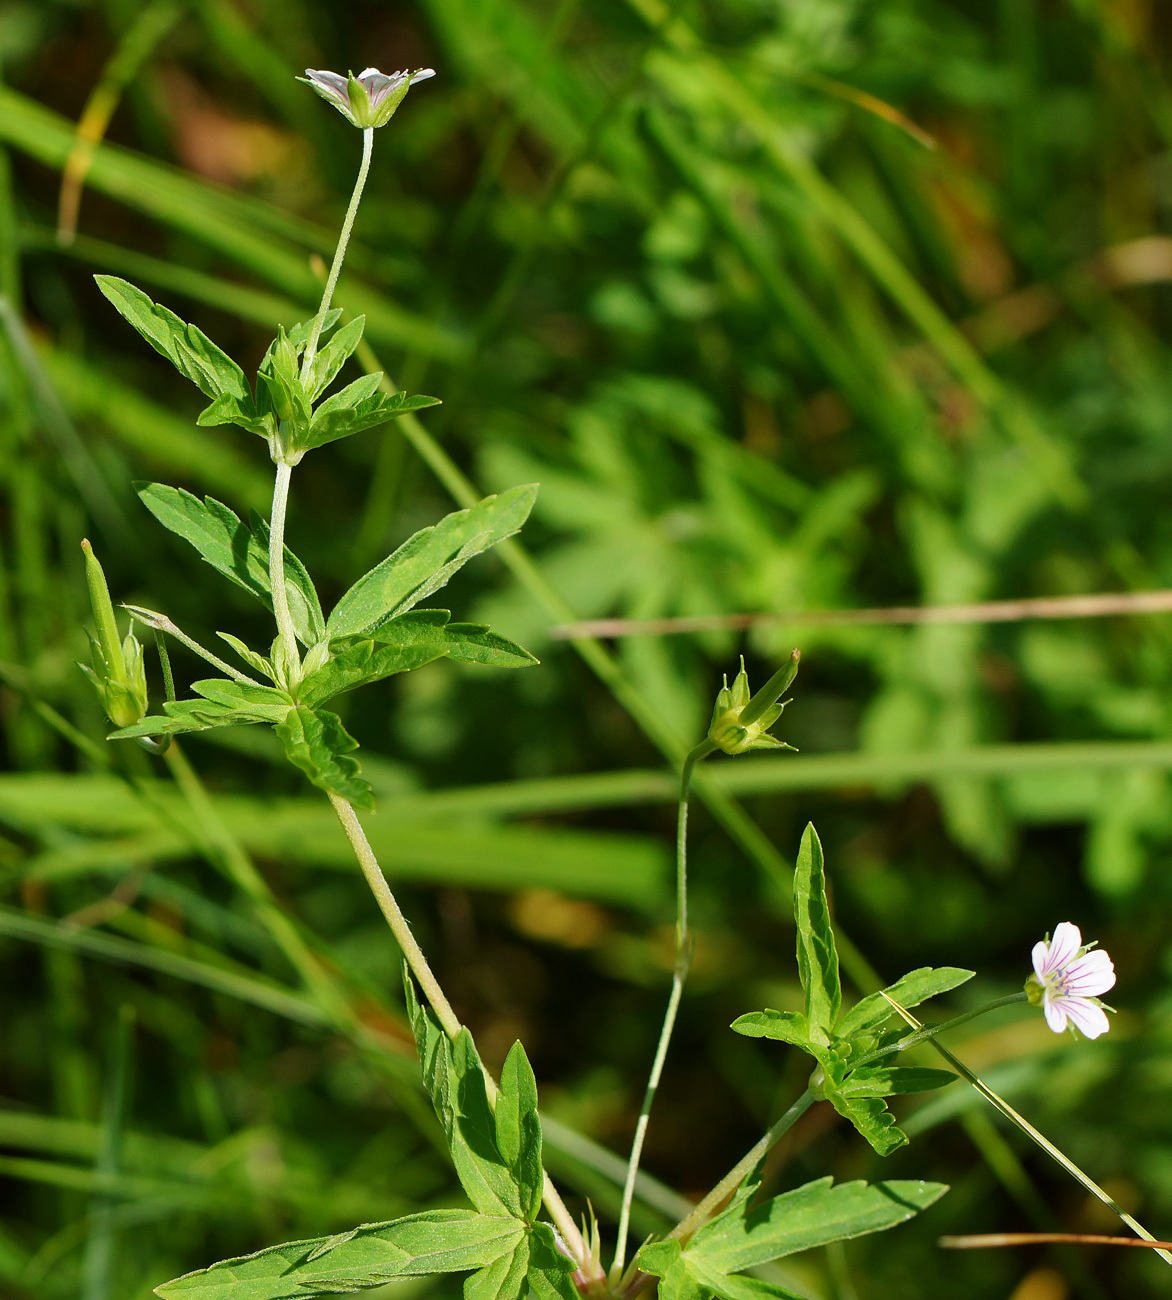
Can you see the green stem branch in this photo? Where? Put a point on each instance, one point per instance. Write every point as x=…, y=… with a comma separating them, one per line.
x=1028, y=1129
x=339, y=254
x=683, y=960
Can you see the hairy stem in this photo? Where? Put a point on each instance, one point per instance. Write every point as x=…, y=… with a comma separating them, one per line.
x=930, y=1031
x=683, y=960
x=339, y=254
x=425, y=977
x=277, y=566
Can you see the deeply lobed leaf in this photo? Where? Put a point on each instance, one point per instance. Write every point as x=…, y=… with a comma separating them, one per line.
x=317, y=743
x=915, y=987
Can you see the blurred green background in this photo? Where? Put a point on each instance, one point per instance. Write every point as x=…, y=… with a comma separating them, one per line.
x=768, y=345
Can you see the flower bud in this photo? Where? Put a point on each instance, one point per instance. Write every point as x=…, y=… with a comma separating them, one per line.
x=118, y=673
x=741, y=721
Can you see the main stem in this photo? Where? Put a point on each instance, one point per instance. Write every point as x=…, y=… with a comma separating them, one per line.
x=683, y=960
x=425, y=977
x=339, y=253
x=277, y=566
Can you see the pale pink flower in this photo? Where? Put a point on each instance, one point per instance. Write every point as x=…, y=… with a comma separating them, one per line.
x=1067, y=979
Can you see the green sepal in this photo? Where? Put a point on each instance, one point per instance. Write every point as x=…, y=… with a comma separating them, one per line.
x=317, y=743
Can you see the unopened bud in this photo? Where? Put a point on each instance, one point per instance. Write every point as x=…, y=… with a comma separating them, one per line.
x=741, y=721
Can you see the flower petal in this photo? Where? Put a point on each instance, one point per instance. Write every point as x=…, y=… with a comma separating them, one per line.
x=333, y=81
x=1040, y=956
x=1055, y=1015
x=1089, y=975
x=1065, y=945
x=1088, y=1019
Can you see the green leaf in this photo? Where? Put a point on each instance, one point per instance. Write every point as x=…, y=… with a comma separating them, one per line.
x=782, y=1026
x=360, y=406
x=915, y=987
x=334, y=356
x=320, y=746
x=425, y=562
x=404, y=644
x=359, y=660
x=872, y=1119
x=260, y=663
x=518, y=1129
x=226, y=543
x=265, y=703
x=225, y=704
x=504, y=1278
x=888, y=1081
x=810, y=1216
x=817, y=957
x=549, y=1271
x=738, y=1286
x=454, y=1077
x=436, y=1241
x=188, y=349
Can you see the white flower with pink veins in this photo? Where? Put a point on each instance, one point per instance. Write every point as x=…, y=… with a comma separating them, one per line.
x=1067, y=979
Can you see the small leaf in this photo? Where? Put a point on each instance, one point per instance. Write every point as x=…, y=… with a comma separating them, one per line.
x=226, y=543
x=872, y=1119
x=188, y=349
x=298, y=334
x=265, y=703
x=817, y=957
x=334, y=356
x=426, y=561
x=891, y=1080
x=549, y=1272
x=435, y=1241
x=360, y=406
x=258, y=662
x=915, y=987
x=518, y=1130
x=454, y=1077
x=782, y=1026
x=320, y=746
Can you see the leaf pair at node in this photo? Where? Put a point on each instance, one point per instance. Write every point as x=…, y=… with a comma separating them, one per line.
x=745, y=1235
x=372, y=633
x=497, y=1155
x=844, y=1044
x=282, y=410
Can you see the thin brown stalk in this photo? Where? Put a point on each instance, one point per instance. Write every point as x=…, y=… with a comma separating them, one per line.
x=1101, y=605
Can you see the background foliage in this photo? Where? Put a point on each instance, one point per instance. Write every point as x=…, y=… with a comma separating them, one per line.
x=764, y=350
